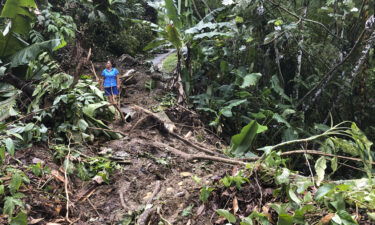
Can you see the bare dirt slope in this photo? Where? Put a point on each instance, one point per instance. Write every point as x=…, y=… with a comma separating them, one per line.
x=153, y=181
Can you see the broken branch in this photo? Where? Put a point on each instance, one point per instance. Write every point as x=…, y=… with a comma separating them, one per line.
x=145, y=216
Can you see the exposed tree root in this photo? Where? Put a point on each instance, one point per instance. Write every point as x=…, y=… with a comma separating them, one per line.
x=190, y=157
x=194, y=145
x=170, y=131
x=145, y=216
x=138, y=122
x=121, y=194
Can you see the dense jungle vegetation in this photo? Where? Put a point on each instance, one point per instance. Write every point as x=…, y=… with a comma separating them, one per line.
x=283, y=92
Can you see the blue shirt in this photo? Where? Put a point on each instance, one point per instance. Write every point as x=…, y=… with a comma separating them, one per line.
x=110, y=77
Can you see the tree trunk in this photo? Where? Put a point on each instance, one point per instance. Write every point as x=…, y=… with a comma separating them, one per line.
x=300, y=54
x=18, y=83
x=180, y=86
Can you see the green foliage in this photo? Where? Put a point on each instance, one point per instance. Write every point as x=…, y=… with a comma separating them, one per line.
x=76, y=110
x=20, y=19
x=31, y=52
x=242, y=142
x=187, y=211
x=227, y=215
x=10, y=203
x=7, y=108
x=205, y=193
x=11, y=196
x=20, y=219
x=86, y=168
x=169, y=63
x=172, y=13
x=150, y=85
x=320, y=167
x=39, y=169
x=124, y=36
x=9, y=144
x=237, y=180
x=56, y=25
x=15, y=51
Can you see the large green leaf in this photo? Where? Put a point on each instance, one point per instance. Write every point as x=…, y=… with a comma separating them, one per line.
x=89, y=110
x=227, y=110
x=20, y=23
x=10, y=204
x=172, y=13
x=15, y=183
x=7, y=108
x=211, y=26
x=100, y=124
x=213, y=34
x=2, y=156
x=227, y=215
x=285, y=219
x=13, y=8
x=31, y=52
x=174, y=36
x=20, y=219
x=20, y=15
x=9, y=45
x=324, y=190
x=9, y=144
x=320, y=167
x=294, y=197
x=250, y=80
x=242, y=142
x=154, y=44
x=246, y=221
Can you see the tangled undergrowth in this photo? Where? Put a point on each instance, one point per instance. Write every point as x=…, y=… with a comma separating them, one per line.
x=265, y=191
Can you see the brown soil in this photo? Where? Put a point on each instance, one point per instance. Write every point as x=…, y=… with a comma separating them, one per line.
x=141, y=168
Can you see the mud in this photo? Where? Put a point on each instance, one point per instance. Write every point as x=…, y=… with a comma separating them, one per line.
x=140, y=167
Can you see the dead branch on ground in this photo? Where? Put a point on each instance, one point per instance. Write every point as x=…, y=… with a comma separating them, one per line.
x=191, y=157
x=145, y=216
x=168, y=125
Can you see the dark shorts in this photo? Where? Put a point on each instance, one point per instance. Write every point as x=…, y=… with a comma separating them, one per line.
x=110, y=91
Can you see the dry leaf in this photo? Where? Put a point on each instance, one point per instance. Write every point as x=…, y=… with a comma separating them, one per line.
x=225, y=193
x=234, y=171
x=98, y=179
x=235, y=205
x=37, y=160
x=188, y=135
x=53, y=224
x=327, y=218
x=185, y=174
x=148, y=196
x=221, y=220
x=58, y=209
x=200, y=209
x=35, y=221
x=56, y=174
x=265, y=211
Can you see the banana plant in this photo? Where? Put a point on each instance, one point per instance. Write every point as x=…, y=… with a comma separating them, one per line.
x=182, y=37
x=15, y=51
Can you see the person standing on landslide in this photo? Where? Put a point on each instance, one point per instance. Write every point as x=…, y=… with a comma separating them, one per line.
x=111, y=82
